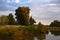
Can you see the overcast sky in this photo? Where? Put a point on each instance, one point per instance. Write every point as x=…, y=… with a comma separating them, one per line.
x=44, y=11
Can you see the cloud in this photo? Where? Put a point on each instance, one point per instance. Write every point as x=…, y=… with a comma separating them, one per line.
x=46, y=11
x=17, y=1
x=6, y=12
x=4, y=7
x=55, y=1
x=13, y=4
x=9, y=1
x=52, y=4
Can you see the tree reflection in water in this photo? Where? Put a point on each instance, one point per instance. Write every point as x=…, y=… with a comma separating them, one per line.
x=56, y=33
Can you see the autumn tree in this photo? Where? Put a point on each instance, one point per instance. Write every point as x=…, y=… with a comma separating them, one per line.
x=55, y=23
x=22, y=15
x=32, y=21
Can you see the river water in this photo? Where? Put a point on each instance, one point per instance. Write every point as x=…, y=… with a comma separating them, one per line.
x=50, y=36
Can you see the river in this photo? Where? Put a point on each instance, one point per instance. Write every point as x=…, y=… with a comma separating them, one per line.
x=50, y=36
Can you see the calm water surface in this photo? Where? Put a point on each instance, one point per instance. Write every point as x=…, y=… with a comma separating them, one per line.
x=50, y=36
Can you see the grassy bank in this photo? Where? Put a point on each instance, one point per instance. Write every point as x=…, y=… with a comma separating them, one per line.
x=13, y=32
x=18, y=32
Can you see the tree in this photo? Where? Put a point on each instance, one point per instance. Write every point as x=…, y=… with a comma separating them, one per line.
x=40, y=25
x=32, y=21
x=4, y=20
x=22, y=15
x=55, y=23
x=11, y=19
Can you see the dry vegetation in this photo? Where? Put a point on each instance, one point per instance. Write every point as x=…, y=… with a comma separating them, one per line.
x=11, y=32
x=18, y=32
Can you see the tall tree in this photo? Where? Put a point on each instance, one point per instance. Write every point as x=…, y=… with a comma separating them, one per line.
x=22, y=15
x=32, y=21
x=11, y=19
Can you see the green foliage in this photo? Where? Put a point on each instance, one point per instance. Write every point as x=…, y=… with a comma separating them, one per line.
x=32, y=21
x=55, y=23
x=22, y=15
x=8, y=20
x=4, y=20
x=40, y=25
x=11, y=19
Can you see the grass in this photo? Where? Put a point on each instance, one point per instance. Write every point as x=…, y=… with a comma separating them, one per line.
x=18, y=32
x=13, y=32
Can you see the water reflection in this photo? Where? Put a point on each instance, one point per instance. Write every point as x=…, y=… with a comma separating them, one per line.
x=35, y=38
x=56, y=33
x=51, y=36
x=49, y=33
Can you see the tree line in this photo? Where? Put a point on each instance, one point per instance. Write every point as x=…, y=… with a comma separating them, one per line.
x=23, y=18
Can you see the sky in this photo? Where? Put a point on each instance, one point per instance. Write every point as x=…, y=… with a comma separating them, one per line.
x=44, y=11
